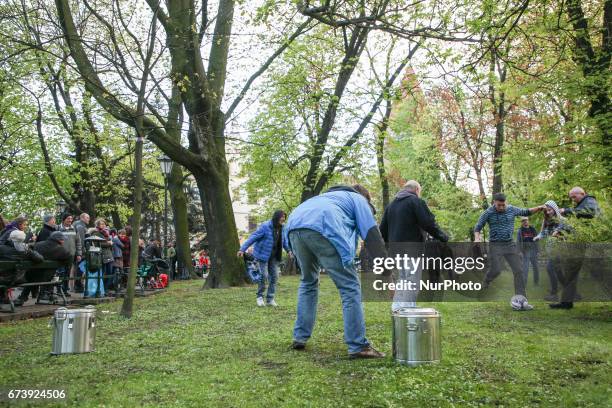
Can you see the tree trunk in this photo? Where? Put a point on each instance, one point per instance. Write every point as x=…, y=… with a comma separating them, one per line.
x=181, y=225
x=227, y=269
x=499, y=116
x=382, y=174
x=380, y=154
x=128, y=301
x=498, y=149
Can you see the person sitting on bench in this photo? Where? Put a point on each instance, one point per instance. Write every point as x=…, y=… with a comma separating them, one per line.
x=16, y=250
x=52, y=249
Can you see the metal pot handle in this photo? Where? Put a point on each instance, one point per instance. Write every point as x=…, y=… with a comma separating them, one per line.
x=412, y=327
x=62, y=313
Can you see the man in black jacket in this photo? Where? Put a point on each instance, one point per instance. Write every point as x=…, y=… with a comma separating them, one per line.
x=52, y=249
x=406, y=220
x=586, y=208
x=47, y=229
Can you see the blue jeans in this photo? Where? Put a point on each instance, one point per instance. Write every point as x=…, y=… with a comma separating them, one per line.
x=269, y=273
x=313, y=252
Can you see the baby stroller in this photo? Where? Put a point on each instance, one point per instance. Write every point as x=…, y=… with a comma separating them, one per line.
x=252, y=269
x=153, y=274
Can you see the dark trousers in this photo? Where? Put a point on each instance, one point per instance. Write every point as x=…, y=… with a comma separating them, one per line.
x=64, y=274
x=531, y=257
x=568, y=274
x=509, y=252
x=172, y=262
x=109, y=282
x=551, y=268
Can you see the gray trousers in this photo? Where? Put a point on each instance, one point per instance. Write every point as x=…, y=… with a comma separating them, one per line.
x=509, y=252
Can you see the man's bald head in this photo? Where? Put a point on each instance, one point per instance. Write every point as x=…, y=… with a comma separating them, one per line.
x=577, y=194
x=413, y=186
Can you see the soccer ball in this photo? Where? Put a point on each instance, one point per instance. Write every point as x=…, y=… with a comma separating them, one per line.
x=519, y=302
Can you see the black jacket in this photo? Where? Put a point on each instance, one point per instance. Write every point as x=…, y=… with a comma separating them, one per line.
x=52, y=251
x=9, y=253
x=44, y=233
x=405, y=219
x=152, y=252
x=586, y=208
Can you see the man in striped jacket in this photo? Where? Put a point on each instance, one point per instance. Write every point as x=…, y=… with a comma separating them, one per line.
x=500, y=217
x=268, y=241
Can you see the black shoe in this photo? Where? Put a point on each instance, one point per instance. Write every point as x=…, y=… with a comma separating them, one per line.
x=296, y=345
x=561, y=305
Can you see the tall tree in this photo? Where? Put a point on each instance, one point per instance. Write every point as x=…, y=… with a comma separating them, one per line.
x=202, y=93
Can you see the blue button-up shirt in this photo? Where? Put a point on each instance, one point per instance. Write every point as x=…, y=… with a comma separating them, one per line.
x=340, y=216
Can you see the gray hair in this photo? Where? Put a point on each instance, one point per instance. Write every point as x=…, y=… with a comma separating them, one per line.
x=577, y=190
x=412, y=185
x=47, y=218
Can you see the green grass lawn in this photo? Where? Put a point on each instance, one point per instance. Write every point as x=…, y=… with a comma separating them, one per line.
x=212, y=348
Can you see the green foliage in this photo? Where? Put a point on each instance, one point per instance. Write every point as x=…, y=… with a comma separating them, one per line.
x=413, y=152
x=276, y=158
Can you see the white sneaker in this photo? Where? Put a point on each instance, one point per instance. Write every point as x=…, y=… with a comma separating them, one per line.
x=260, y=301
x=272, y=303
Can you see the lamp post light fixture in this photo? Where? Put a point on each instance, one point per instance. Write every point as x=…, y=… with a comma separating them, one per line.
x=60, y=207
x=165, y=163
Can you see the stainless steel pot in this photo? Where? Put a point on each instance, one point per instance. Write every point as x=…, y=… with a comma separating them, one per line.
x=416, y=336
x=74, y=330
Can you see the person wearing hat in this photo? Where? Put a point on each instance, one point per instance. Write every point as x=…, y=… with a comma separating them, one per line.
x=322, y=232
x=19, y=223
x=52, y=249
x=553, y=229
x=500, y=217
x=524, y=239
x=47, y=229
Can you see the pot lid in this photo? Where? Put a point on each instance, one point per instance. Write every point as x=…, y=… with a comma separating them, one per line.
x=62, y=311
x=416, y=312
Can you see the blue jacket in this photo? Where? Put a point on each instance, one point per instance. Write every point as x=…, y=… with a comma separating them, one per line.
x=340, y=216
x=263, y=240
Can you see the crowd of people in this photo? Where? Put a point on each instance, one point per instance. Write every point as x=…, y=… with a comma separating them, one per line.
x=69, y=243
x=321, y=233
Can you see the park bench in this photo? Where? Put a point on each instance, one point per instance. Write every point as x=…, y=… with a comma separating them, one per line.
x=25, y=267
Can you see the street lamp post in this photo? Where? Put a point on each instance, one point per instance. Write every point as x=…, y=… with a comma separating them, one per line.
x=61, y=206
x=166, y=168
x=181, y=266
